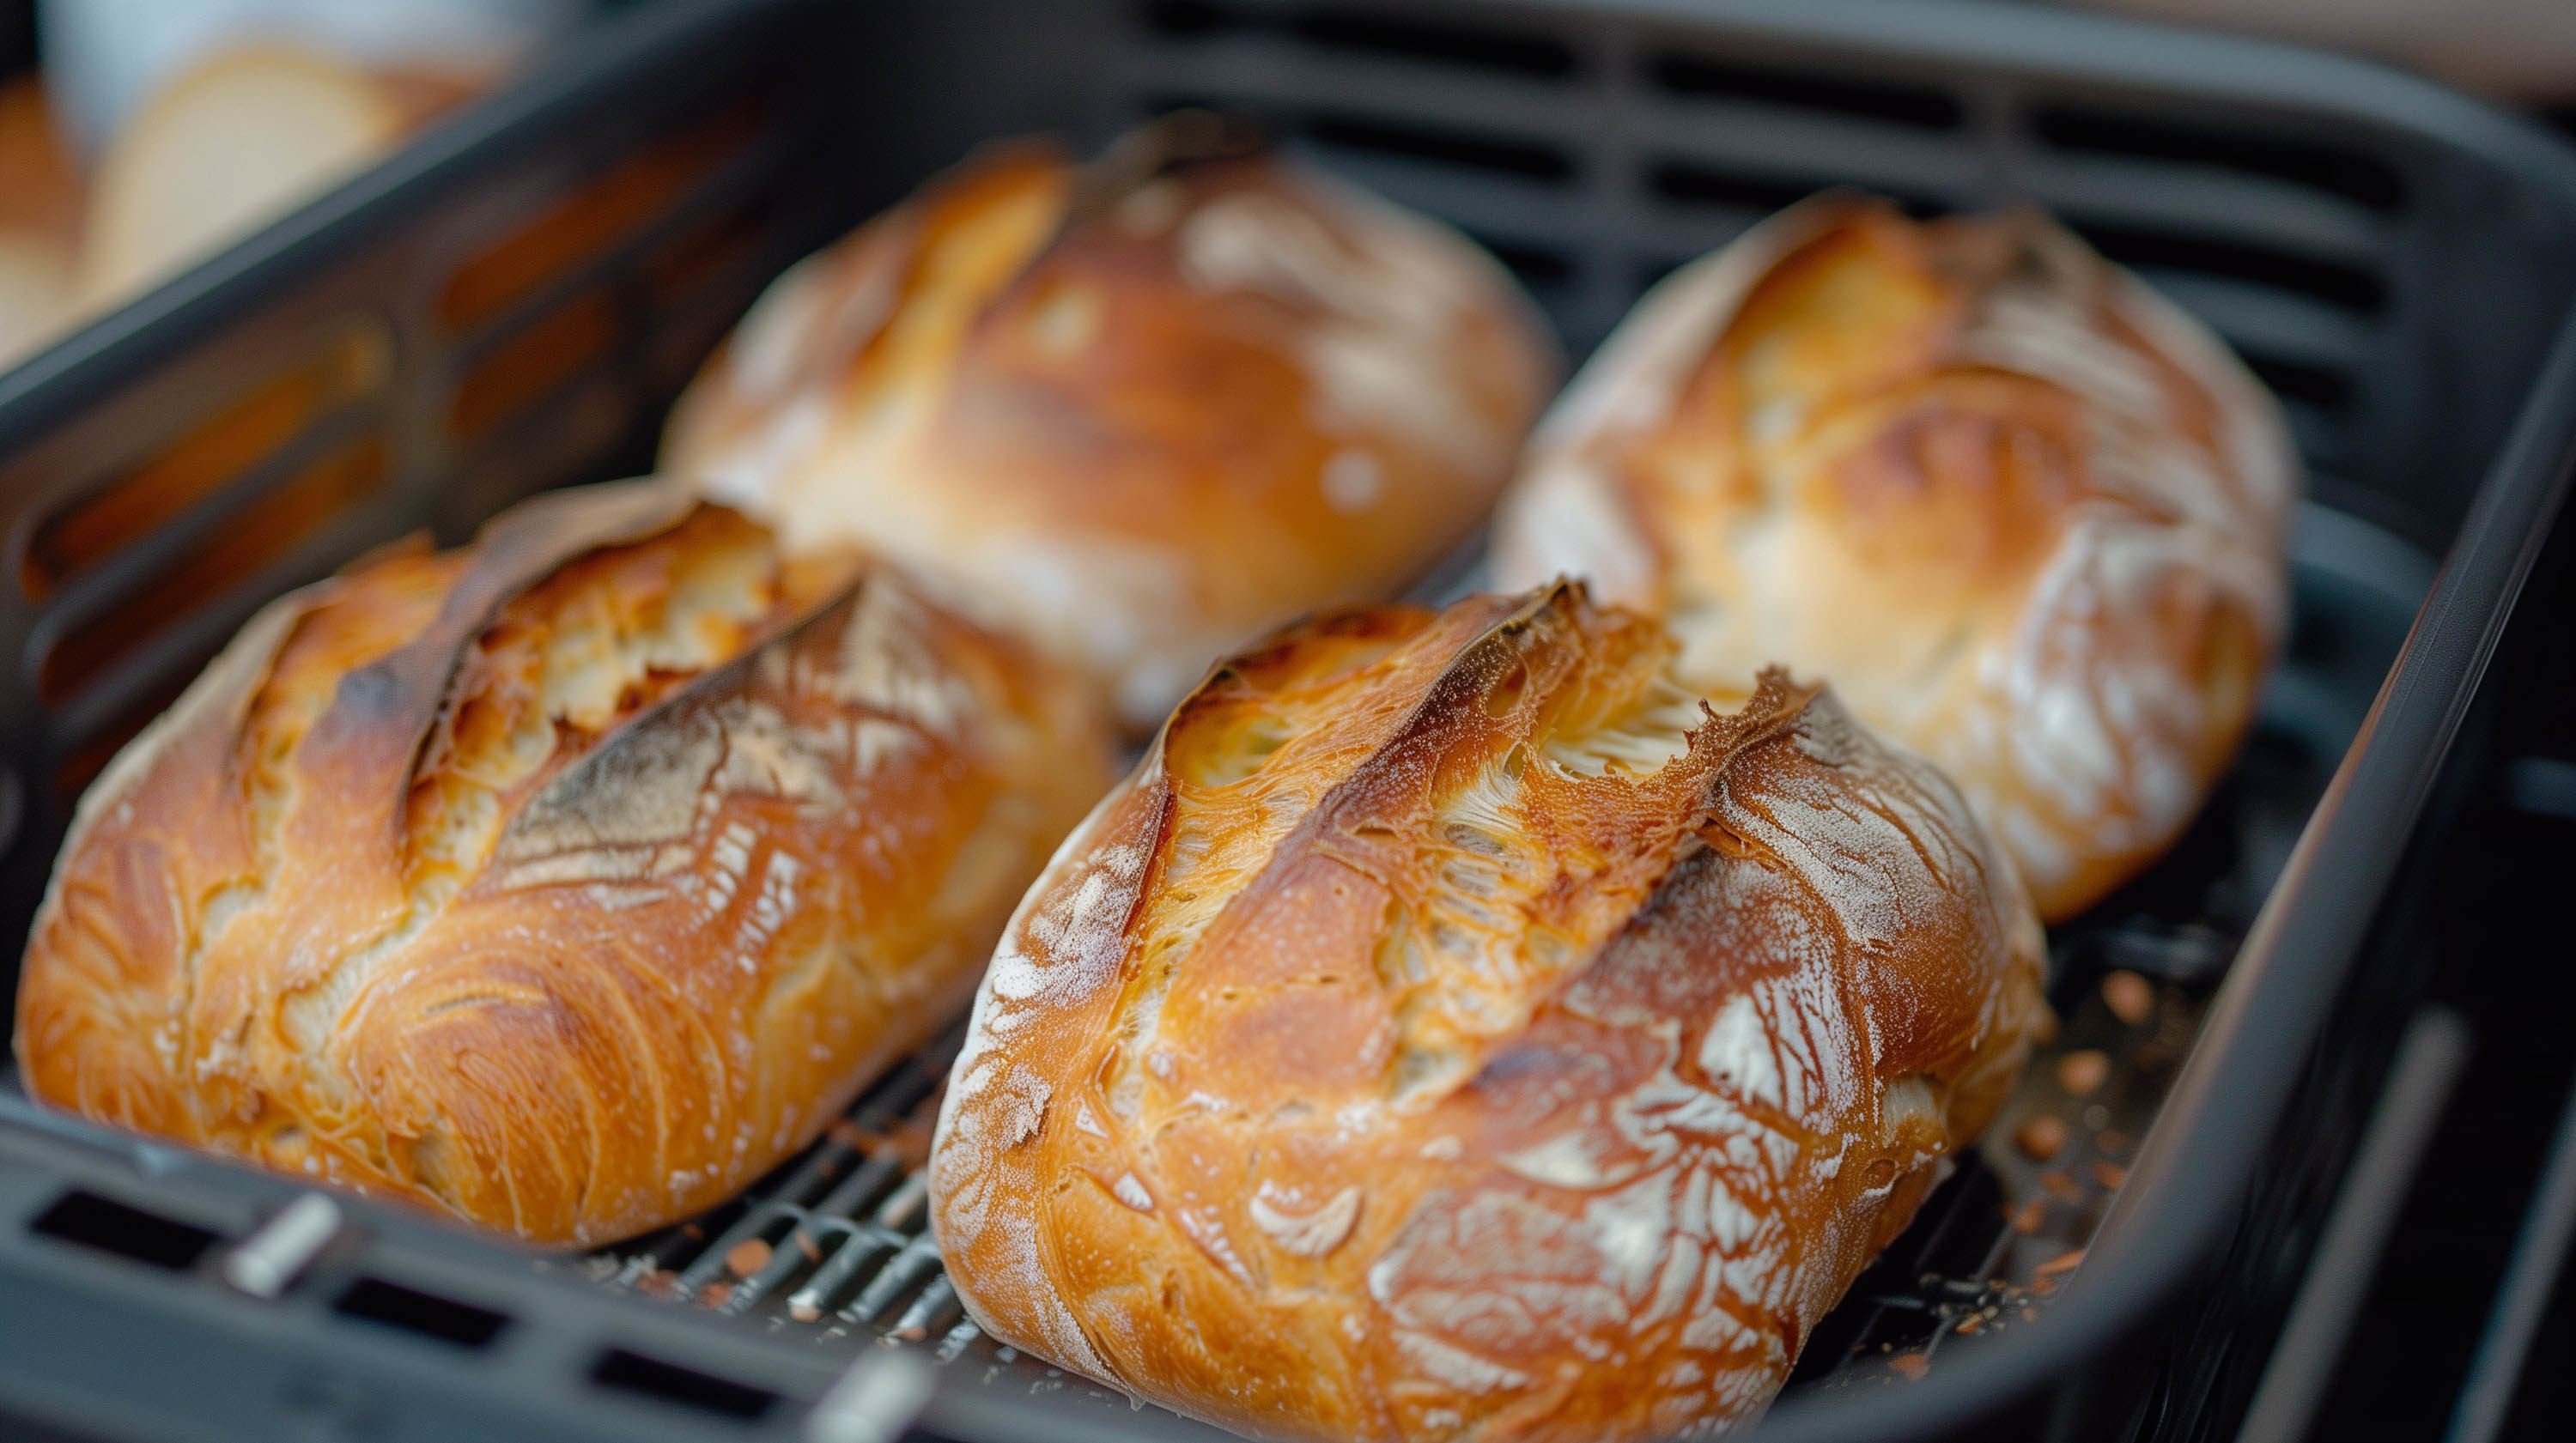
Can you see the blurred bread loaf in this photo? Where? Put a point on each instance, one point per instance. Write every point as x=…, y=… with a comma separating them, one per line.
x=565, y=883
x=41, y=195
x=2025, y=516
x=1142, y=411
x=224, y=147
x=1453, y=1030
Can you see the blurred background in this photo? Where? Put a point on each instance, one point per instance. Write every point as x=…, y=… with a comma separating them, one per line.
x=137, y=135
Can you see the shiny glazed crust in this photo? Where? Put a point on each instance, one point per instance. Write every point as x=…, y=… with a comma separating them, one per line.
x=565, y=883
x=1142, y=411
x=2025, y=516
x=1453, y=1029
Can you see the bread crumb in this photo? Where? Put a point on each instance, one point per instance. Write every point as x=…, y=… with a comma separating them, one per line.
x=2040, y=1137
x=2062, y=1264
x=2026, y=1219
x=2061, y=1186
x=804, y=1312
x=2112, y=1142
x=2083, y=1072
x=1971, y=1323
x=2131, y=997
x=2110, y=1175
x=1910, y=1366
x=747, y=1257
x=713, y=1295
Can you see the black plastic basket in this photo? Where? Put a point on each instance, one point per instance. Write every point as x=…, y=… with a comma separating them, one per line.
x=512, y=301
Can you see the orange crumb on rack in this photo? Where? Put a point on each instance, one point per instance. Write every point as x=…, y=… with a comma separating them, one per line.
x=2130, y=997
x=2083, y=1072
x=747, y=1257
x=2041, y=1136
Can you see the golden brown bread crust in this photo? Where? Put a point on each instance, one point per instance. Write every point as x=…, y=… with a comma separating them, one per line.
x=1429, y=1040
x=1142, y=412
x=565, y=883
x=2026, y=517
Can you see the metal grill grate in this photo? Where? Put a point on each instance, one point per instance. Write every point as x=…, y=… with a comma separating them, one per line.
x=835, y=1243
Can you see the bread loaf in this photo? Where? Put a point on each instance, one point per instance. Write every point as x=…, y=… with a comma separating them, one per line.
x=1451, y=1029
x=41, y=195
x=2025, y=516
x=1143, y=410
x=564, y=884
x=235, y=141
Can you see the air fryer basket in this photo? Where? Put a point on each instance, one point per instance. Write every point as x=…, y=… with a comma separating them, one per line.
x=512, y=302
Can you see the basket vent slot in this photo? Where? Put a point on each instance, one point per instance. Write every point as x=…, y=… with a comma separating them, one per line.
x=2328, y=388
x=1880, y=102
x=626, y=1372
x=217, y=453
x=533, y=365
x=243, y=547
x=427, y=1314
x=1538, y=267
x=1519, y=157
x=2336, y=283
x=711, y=255
x=1693, y=184
x=108, y=1226
x=597, y=217
x=254, y=539
x=1350, y=30
x=2352, y=175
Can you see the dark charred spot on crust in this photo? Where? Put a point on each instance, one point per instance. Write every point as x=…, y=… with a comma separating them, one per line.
x=1521, y=1064
x=372, y=693
x=408, y=693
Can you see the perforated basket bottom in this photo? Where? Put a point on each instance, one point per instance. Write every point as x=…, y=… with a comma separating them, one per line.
x=833, y=1247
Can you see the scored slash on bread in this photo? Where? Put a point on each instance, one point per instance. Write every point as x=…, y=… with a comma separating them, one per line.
x=1453, y=1027
x=564, y=884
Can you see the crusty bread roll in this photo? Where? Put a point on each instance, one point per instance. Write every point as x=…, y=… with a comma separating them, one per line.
x=1428, y=1040
x=2026, y=517
x=1142, y=411
x=565, y=883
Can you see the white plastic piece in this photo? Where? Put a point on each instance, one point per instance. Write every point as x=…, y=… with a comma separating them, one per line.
x=284, y=1246
x=874, y=1402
